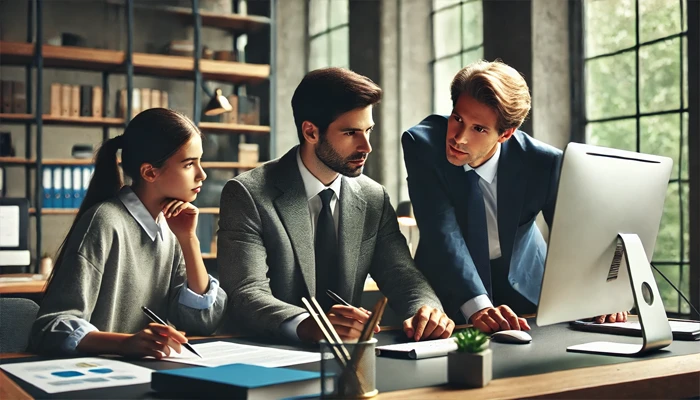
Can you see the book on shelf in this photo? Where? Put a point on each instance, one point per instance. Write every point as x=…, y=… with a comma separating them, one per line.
x=55, y=99
x=231, y=117
x=155, y=98
x=164, y=99
x=67, y=201
x=77, y=193
x=145, y=99
x=65, y=100
x=75, y=101
x=239, y=381
x=6, y=89
x=57, y=175
x=135, y=102
x=97, y=101
x=85, y=100
x=19, y=98
x=48, y=194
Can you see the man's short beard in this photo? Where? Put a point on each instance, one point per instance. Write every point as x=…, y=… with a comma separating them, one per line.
x=327, y=154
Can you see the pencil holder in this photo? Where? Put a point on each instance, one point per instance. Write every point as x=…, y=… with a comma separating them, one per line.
x=348, y=370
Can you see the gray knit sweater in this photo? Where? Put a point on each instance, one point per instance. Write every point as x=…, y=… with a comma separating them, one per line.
x=110, y=269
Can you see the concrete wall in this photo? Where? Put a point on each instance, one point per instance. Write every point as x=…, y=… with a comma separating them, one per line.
x=103, y=26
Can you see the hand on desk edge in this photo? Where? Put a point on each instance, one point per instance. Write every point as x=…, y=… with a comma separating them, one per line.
x=428, y=323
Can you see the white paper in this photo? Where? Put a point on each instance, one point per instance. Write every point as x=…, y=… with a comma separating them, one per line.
x=633, y=324
x=56, y=376
x=419, y=350
x=215, y=354
x=9, y=221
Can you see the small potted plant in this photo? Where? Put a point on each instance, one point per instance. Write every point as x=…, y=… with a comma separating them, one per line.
x=471, y=364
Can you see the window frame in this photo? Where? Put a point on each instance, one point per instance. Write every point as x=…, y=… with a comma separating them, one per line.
x=688, y=105
x=326, y=32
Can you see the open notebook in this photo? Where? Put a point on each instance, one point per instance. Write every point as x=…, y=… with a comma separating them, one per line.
x=682, y=329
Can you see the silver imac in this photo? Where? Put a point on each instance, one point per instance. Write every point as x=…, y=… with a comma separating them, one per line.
x=606, y=218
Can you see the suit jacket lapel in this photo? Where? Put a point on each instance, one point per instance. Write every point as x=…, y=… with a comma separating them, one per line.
x=350, y=228
x=293, y=209
x=511, y=194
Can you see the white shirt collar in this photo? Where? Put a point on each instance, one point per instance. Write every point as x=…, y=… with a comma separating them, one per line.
x=487, y=171
x=312, y=185
x=137, y=210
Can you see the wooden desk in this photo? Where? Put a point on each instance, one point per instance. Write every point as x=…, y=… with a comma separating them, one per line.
x=27, y=287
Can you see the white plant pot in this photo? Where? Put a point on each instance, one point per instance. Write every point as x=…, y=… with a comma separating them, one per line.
x=469, y=369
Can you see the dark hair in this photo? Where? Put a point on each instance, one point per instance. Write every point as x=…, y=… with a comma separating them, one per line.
x=152, y=137
x=324, y=94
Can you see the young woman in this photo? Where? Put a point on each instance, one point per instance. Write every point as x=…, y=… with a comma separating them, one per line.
x=134, y=246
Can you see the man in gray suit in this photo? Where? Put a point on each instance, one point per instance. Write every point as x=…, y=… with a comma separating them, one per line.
x=310, y=221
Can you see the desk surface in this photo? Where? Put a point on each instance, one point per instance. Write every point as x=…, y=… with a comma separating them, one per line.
x=541, y=368
x=30, y=286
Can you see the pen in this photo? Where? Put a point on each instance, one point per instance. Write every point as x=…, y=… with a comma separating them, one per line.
x=153, y=317
x=337, y=298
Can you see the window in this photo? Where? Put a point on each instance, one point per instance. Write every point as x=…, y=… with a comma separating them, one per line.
x=636, y=98
x=458, y=40
x=328, y=34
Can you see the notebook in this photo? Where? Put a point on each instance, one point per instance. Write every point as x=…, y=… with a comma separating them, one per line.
x=682, y=329
x=239, y=381
x=418, y=350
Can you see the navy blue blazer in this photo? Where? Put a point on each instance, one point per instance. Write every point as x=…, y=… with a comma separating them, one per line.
x=528, y=173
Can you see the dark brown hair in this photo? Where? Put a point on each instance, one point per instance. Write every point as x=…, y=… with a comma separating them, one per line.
x=324, y=94
x=497, y=85
x=152, y=137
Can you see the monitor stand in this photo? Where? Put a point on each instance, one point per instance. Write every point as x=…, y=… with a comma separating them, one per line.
x=656, y=331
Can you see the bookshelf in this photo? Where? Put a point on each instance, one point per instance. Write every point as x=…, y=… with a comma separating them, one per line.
x=36, y=58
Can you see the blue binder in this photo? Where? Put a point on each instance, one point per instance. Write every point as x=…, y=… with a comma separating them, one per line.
x=47, y=184
x=57, y=173
x=87, y=174
x=67, y=187
x=77, y=187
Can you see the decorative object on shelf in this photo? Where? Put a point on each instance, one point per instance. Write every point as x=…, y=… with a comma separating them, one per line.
x=248, y=153
x=408, y=225
x=81, y=151
x=218, y=104
x=67, y=39
x=45, y=265
x=231, y=117
x=249, y=110
x=6, y=95
x=471, y=364
x=225, y=55
x=185, y=48
x=6, y=149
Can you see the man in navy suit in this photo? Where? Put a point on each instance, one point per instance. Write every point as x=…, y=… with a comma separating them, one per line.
x=477, y=184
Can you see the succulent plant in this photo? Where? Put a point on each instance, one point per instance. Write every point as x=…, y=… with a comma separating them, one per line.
x=471, y=340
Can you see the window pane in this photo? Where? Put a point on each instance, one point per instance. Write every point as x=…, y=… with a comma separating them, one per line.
x=686, y=220
x=609, y=26
x=318, y=52
x=668, y=295
x=661, y=135
x=685, y=288
x=340, y=47
x=443, y=72
x=668, y=243
x=472, y=24
x=660, y=76
x=318, y=16
x=440, y=4
x=685, y=160
x=469, y=57
x=658, y=18
x=610, y=86
x=339, y=13
x=685, y=72
x=446, y=27
x=617, y=134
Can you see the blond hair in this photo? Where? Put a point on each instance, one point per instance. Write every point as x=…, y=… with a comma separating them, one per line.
x=497, y=85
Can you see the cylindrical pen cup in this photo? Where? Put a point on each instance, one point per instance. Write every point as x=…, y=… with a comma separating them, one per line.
x=348, y=370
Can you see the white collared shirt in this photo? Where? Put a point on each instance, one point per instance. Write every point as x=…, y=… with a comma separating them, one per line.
x=153, y=227
x=313, y=187
x=488, y=174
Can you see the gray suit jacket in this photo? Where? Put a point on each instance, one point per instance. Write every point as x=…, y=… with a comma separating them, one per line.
x=266, y=249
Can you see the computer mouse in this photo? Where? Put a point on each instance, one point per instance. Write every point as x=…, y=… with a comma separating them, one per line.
x=512, y=336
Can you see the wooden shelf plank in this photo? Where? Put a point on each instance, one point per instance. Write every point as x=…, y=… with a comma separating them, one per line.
x=209, y=210
x=228, y=164
x=217, y=127
x=61, y=120
x=159, y=65
x=55, y=211
x=232, y=22
x=209, y=256
x=15, y=161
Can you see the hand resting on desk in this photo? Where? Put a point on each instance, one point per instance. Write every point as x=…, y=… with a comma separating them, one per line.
x=619, y=317
x=501, y=318
x=154, y=341
x=348, y=322
x=428, y=323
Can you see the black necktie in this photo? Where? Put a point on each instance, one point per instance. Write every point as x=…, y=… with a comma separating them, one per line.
x=477, y=231
x=326, y=251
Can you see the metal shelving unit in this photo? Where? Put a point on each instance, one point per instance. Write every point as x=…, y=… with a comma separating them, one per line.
x=35, y=56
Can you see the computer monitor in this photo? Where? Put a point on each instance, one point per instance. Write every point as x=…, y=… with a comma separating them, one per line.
x=606, y=219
